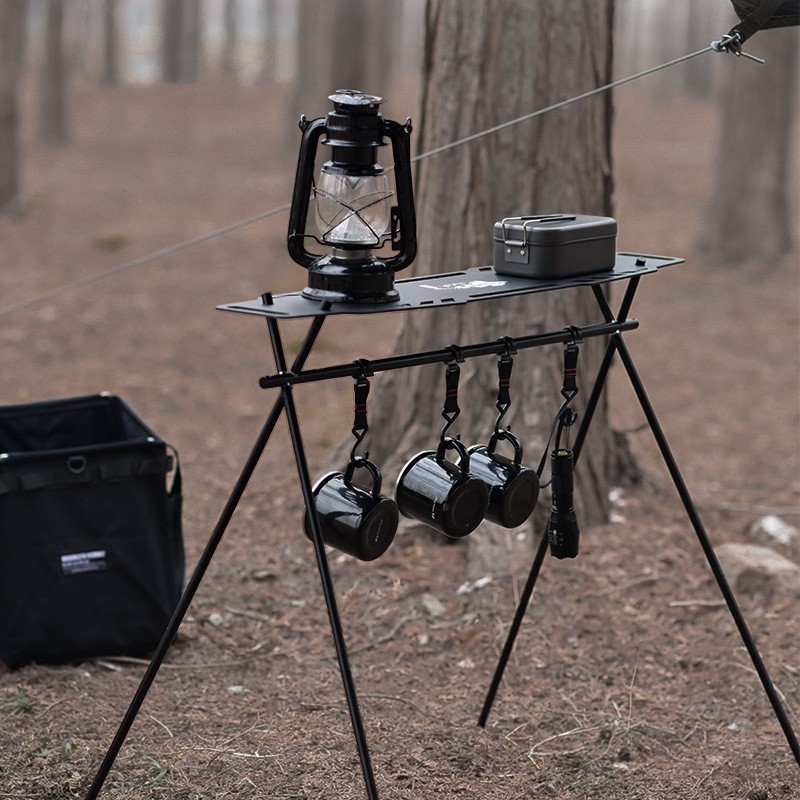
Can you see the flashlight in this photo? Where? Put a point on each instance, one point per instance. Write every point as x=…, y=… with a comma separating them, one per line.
x=563, y=533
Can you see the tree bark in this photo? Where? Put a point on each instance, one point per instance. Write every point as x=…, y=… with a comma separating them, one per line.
x=110, y=75
x=191, y=41
x=181, y=40
x=12, y=34
x=171, y=40
x=347, y=55
x=269, y=41
x=229, y=36
x=331, y=52
x=487, y=62
x=53, y=128
x=749, y=211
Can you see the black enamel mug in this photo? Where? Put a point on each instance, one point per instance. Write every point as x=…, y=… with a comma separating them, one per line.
x=513, y=488
x=355, y=520
x=440, y=494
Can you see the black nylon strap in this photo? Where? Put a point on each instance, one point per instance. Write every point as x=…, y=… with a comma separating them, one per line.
x=360, y=392
x=504, y=366
x=46, y=478
x=570, y=368
x=451, y=376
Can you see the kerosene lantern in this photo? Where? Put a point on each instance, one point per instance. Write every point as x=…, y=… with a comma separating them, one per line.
x=357, y=211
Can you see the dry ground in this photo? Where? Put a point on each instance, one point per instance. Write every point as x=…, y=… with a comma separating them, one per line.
x=628, y=680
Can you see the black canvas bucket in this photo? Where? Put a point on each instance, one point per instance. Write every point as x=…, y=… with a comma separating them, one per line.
x=91, y=550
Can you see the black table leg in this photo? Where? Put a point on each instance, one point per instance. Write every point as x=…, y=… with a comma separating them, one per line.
x=287, y=400
x=699, y=529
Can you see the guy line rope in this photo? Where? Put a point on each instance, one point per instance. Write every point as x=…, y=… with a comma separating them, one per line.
x=717, y=46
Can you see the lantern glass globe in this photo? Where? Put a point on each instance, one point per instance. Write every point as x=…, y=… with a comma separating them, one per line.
x=352, y=210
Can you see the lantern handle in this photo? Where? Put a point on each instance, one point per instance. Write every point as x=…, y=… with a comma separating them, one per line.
x=312, y=132
x=404, y=221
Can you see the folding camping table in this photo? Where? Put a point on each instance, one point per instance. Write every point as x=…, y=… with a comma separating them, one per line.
x=434, y=292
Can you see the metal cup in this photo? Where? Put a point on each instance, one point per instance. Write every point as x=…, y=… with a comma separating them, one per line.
x=357, y=521
x=513, y=488
x=440, y=494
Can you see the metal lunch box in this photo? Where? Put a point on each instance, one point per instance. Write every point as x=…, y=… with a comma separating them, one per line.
x=554, y=245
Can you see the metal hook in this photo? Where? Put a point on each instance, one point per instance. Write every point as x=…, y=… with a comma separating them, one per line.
x=450, y=409
x=505, y=363
x=732, y=43
x=360, y=423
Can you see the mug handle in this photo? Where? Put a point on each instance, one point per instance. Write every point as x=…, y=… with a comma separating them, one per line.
x=448, y=443
x=361, y=461
x=508, y=436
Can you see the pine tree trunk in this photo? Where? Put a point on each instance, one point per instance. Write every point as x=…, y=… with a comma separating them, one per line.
x=312, y=46
x=53, y=109
x=749, y=210
x=330, y=52
x=269, y=38
x=347, y=57
x=110, y=43
x=191, y=41
x=171, y=40
x=229, y=37
x=12, y=34
x=485, y=63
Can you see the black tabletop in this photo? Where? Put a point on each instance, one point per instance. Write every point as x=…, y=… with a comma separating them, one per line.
x=449, y=289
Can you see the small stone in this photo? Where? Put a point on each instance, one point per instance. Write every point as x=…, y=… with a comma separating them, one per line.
x=754, y=570
x=472, y=586
x=216, y=619
x=432, y=605
x=774, y=529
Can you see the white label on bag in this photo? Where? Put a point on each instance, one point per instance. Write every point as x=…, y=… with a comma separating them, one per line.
x=90, y=561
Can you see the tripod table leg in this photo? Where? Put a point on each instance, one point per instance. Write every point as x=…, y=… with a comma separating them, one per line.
x=324, y=570
x=691, y=511
x=522, y=607
x=708, y=549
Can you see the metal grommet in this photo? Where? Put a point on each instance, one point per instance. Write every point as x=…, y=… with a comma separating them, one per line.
x=76, y=464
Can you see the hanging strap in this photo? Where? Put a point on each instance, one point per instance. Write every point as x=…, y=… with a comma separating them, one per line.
x=452, y=373
x=450, y=409
x=569, y=386
x=505, y=364
x=360, y=393
x=570, y=375
x=565, y=416
x=360, y=423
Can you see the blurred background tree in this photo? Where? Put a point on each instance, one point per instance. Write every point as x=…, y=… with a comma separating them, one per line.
x=12, y=34
x=53, y=125
x=110, y=76
x=182, y=40
x=749, y=211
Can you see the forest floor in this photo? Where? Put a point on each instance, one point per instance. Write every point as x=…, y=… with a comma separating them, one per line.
x=628, y=679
